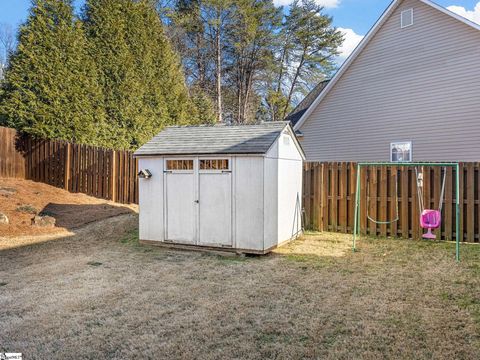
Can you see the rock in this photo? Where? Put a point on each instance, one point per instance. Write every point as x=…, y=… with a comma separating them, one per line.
x=43, y=221
x=3, y=219
x=7, y=191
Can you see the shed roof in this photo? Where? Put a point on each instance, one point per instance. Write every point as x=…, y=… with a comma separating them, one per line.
x=214, y=139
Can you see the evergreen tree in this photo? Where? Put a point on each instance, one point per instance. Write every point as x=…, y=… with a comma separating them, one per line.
x=140, y=74
x=50, y=88
x=204, y=106
x=311, y=44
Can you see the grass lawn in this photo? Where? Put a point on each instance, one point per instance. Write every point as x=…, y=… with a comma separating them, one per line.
x=98, y=294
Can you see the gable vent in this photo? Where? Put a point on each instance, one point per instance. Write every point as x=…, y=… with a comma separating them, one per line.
x=407, y=18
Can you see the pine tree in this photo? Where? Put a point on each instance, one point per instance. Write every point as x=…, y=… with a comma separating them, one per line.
x=142, y=80
x=204, y=106
x=252, y=35
x=311, y=45
x=50, y=88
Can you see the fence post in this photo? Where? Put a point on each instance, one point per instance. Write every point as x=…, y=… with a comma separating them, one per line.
x=67, y=167
x=113, y=174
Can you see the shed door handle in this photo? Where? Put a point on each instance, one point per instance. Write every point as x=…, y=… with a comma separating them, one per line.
x=197, y=201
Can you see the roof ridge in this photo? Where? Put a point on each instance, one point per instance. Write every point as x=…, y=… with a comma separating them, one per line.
x=224, y=125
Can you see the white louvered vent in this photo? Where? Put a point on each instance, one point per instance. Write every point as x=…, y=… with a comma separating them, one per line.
x=407, y=18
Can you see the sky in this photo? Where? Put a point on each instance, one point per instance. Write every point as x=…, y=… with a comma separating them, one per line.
x=353, y=17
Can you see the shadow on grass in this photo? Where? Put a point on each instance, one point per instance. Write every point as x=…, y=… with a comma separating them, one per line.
x=73, y=216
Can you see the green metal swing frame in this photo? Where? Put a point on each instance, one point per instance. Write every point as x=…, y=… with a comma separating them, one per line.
x=360, y=165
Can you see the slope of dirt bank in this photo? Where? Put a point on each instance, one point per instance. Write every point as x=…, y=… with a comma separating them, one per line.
x=20, y=200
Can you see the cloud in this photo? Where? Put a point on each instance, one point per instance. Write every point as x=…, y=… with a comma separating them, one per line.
x=326, y=3
x=351, y=40
x=472, y=15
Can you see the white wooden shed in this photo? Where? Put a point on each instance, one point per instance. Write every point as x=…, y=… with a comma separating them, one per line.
x=230, y=187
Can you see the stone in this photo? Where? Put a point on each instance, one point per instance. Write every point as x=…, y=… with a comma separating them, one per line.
x=3, y=219
x=43, y=221
x=7, y=191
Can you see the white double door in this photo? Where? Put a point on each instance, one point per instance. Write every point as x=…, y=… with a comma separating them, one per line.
x=198, y=206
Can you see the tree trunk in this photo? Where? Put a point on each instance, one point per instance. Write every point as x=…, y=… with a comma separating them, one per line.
x=218, y=69
x=294, y=83
x=282, y=61
x=239, y=87
x=200, y=61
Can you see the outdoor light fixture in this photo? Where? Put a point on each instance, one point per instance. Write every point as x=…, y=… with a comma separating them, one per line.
x=144, y=174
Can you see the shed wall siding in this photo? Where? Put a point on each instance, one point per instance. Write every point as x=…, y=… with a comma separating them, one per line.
x=248, y=200
x=150, y=191
x=287, y=149
x=419, y=84
x=289, y=183
x=271, y=202
x=289, y=198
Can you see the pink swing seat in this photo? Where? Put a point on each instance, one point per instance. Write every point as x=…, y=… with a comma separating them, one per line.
x=430, y=219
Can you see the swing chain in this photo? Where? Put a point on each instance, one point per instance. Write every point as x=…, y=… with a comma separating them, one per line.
x=420, y=193
x=397, y=216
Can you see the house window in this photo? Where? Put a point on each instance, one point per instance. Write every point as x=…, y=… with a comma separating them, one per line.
x=401, y=151
x=406, y=18
x=179, y=164
x=214, y=164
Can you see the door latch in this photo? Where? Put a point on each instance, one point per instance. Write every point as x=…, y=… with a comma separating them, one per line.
x=197, y=201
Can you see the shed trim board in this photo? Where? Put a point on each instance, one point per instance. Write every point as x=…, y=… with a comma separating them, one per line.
x=364, y=43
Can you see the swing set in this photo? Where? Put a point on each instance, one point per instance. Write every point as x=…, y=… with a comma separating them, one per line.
x=429, y=218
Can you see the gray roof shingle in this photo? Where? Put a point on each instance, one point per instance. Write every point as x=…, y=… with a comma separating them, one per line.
x=215, y=139
x=297, y=113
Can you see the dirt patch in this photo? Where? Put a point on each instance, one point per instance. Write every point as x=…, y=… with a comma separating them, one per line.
x=100, y=294
x=20, y=200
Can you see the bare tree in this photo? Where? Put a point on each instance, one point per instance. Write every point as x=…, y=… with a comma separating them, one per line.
x=7, y=42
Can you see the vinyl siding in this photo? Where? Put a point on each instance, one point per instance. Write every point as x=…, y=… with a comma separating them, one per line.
x=419, y=84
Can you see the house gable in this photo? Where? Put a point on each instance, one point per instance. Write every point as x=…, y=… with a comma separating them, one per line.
x=416, y=83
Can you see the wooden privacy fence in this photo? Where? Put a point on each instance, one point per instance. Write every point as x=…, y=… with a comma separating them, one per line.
x=329, y=199
x=103, y=173
x=12, y=161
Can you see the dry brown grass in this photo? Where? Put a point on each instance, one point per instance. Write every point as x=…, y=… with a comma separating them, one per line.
x=98, y=294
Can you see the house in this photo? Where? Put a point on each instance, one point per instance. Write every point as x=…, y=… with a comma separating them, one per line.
x=409, y=91
x=237, y=188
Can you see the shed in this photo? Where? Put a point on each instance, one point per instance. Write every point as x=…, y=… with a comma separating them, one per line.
x=230, y=187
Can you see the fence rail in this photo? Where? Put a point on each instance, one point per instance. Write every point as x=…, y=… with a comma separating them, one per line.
x=103, y=173
x=329, y=199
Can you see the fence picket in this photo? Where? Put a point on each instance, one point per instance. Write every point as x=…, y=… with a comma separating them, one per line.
x=470, y=191
x=383, y=201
